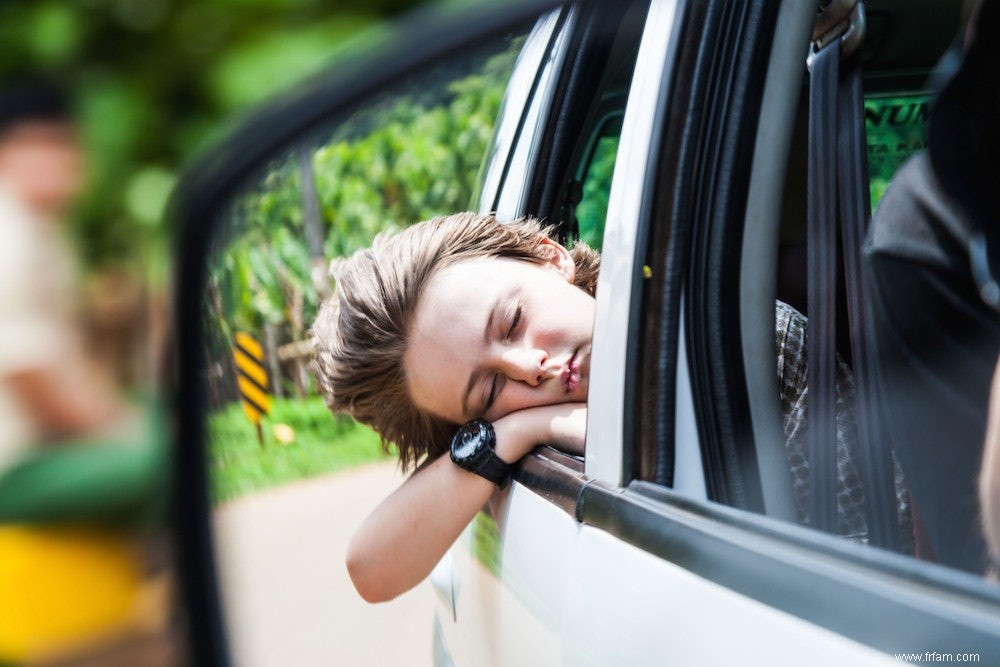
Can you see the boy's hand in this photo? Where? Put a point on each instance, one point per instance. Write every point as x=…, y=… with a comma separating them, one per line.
x=563, y=425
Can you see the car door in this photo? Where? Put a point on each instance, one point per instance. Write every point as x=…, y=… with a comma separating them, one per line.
x=654, y=565
x=706, y=519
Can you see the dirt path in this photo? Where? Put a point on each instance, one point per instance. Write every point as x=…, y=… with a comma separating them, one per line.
x=287, y=595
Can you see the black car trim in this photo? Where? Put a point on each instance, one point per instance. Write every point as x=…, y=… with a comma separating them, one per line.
x=593, y=42
x=555, y=476
x=652, y=398
x=737, y=47
x=884, y=600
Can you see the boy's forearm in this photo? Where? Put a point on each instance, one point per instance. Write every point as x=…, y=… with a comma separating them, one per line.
x=408, y=533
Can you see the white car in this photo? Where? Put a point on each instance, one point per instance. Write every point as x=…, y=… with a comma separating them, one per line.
x=671, y=133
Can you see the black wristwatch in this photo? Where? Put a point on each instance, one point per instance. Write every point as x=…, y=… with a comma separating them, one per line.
x=472, y=448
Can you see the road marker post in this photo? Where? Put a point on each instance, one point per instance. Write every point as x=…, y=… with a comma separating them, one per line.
x=251, y=376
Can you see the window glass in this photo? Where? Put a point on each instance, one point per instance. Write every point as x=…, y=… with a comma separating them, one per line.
x=593, y=207
x=935, y=338
x=896, y=126
x=602, y=107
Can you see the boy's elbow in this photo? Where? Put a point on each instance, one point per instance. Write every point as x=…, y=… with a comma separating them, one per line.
x=369, y=584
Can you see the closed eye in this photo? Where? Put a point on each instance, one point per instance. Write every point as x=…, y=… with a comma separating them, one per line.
x=492, y=395
x=495, y=384
x=513, y=323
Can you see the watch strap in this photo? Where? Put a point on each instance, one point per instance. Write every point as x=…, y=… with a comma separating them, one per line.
x=494, y=469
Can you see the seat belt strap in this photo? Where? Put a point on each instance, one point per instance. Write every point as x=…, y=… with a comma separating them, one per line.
x=822, y=288
x=878, y=474
x=838, y=174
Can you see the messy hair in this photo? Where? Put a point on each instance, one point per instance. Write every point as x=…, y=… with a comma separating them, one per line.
x=361, y=332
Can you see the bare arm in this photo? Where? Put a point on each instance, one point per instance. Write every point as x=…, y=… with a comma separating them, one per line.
x=989, y=478
x=408, y=533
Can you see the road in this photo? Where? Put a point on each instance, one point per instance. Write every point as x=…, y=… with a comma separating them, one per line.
x=287, y=596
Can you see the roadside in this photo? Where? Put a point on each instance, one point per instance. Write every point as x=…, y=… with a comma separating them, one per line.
x=287, y=596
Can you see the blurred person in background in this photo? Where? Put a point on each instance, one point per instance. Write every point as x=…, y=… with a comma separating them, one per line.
x=78, y=472
x=49, y=389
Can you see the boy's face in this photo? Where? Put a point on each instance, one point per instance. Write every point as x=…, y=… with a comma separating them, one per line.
x=492, y=336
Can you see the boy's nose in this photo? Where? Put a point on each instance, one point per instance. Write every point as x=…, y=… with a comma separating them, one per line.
x=528, y=365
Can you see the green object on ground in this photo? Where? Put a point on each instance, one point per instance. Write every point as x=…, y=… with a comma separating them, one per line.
x=91, y=481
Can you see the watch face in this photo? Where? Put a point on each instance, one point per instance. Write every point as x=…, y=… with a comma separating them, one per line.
x=472, y=444
x=469, y=441
x=472, y=449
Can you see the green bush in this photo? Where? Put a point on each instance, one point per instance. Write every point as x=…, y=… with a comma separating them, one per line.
x=412, y=156
x=323, y=444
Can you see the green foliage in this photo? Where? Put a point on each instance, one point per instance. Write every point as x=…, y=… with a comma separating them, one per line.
x=239, y=465
x=155, y=79
x=410, y=156
x=592, y=210
x=255, y=70
x=419, y=159
x=260, y=274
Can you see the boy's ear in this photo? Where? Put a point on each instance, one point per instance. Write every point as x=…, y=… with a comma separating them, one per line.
x=558, y=257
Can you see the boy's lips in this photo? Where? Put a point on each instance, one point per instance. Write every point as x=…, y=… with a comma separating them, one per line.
x=570, y=377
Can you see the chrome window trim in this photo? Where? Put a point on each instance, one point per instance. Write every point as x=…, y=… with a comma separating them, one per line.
x=605, y=426
x=515, y=99
x=510, y=199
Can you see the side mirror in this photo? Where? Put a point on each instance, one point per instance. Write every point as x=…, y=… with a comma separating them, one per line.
x=389, y=138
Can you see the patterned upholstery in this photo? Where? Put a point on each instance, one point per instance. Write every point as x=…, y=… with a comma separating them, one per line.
x=790, y=339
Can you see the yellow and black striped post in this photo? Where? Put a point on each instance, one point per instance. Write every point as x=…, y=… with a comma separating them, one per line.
x=252, y=379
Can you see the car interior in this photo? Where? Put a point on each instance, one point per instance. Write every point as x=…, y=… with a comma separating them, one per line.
x=905, y=57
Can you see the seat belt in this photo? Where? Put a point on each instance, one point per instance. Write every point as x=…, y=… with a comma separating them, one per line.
x=821, y=258
x=838, y=195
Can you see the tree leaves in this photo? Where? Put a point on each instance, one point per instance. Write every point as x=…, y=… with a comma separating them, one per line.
x=409, y=156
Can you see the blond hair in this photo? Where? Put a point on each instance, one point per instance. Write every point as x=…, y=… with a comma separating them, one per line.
x=361, y=332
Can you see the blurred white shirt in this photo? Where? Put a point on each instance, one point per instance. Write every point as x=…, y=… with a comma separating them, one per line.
x=37, y=313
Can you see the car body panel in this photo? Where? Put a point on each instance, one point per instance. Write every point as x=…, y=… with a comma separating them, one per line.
x=628, y=607
x=514, y=615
